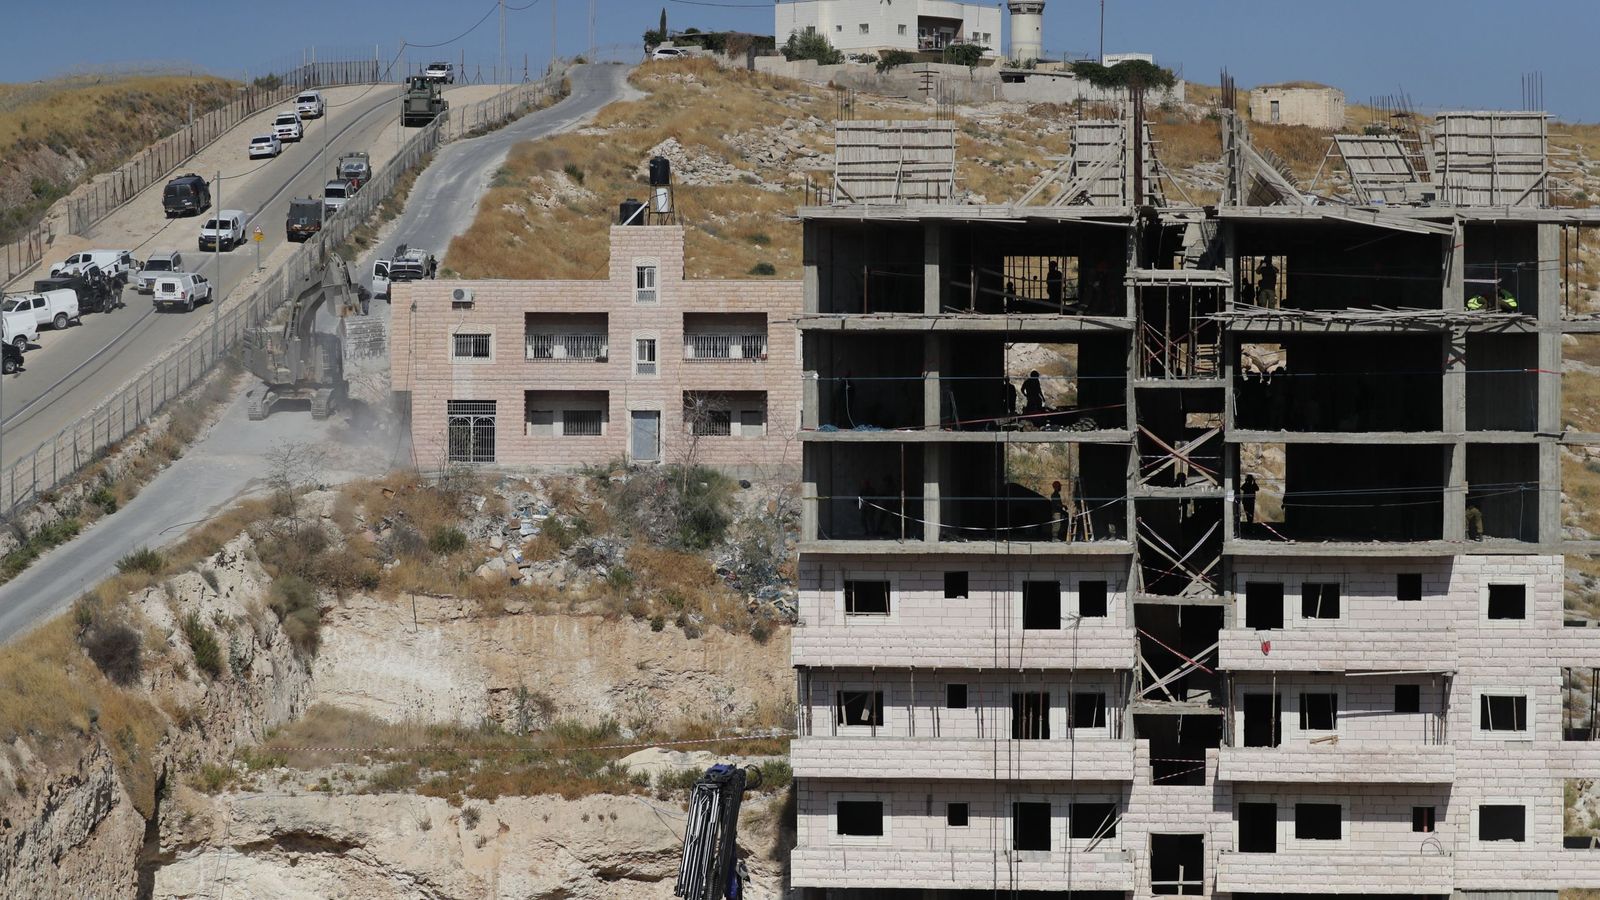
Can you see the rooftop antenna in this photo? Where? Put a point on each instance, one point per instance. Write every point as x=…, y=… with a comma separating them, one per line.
x=1102, y=32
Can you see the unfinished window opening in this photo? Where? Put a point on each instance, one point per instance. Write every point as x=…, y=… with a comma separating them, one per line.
x=1319, y=600
x=1317, y=822
x=1088, y=710
x=955, y=696
x=866, y=598
x=1177, y=864
x=859, y=818
x=1580, y=703
x=1345, y=383
x=1422, y=820
x=1263, y=472
x=1361, y=492
x=955, y=815
x=1092, y=599
x=1258, y=828
x=1041, y=605
x=1503, y=496
x=1407, y=698
x=1178, y=745
x=1503, y=713
x=1263, y=605
x=1034, y=491
x=1502, y=822
x=1507, y=601
x=1580, y=384
x=860, y=708
x=1319, y=712
x=1030, y=825
x=955, y=585
x=1408, y=587
x=1046, y=285
x=1030, y=716
x=1262, y=715
x=1502, y=377
x=1093, y=821
x=1581, y=828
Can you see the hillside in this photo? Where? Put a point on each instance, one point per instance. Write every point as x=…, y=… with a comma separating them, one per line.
x=54, y=134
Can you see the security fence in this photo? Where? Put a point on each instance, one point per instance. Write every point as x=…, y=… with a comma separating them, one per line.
x=56, y=460
x=161, y=159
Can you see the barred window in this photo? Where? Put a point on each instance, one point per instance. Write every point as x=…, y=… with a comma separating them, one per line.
x=644, y=283
x=713, y=423
x=470, y=427
x=580, y=422
x=472, y=346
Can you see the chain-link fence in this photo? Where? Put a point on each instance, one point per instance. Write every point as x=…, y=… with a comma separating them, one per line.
x=57, y=459
x=25, y=252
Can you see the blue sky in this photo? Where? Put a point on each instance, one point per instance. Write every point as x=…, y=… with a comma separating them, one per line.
x=1443, y=53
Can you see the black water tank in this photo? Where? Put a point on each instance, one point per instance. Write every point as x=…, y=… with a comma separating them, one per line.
x=660, y=171
x=630, y=212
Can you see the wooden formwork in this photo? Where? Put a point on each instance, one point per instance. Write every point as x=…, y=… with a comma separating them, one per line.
x=1492, y=158
x=882, y=161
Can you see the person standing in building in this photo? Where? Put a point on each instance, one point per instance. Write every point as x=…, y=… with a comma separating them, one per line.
x=1247, y=499
x=1474, y=523
x=1052, y=286
x=1008, y=398
x=1058, y=512
x=1267, y=283
x=1032, y=395
x=1010, y=294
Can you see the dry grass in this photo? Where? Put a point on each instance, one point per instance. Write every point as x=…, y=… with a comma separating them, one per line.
x=50, y=691
x=461, y=763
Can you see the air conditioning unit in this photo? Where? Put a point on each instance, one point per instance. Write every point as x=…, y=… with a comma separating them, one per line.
x=461, y=297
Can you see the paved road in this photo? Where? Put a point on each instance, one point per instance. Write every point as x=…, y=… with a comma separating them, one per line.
x=233, y=458
x=74, y=370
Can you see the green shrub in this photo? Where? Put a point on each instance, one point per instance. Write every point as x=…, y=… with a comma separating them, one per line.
x=116, y=650
x=763, y=268
x=207, y=652
x=104, y=498
x=446, y=540
x=776, y=774
x=968, y=55
x=145, y=560
x=294, y=601
x=892, y=58
x=573, y=172
x=1124, y=74
x=811, y=45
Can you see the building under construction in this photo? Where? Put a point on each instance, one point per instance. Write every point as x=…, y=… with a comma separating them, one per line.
x=1159, y=549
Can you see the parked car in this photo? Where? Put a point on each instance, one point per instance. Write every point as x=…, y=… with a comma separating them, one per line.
x=286, y=127
x=266, y=145
x=309, y=105
x=442, y=72
x=226, y=229
x=58, y=308
x=94, y=291
x=181, y=289
x=10, y=359
x=669, y=53
x=188, y=194
x=335, y=193
x=19, y=328
x=116, y=264
x=158, y=263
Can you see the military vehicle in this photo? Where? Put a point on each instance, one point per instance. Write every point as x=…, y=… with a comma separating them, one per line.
x=294, y=360
x=422, y=102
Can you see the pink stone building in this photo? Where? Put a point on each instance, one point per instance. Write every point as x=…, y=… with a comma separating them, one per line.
x=642, y=364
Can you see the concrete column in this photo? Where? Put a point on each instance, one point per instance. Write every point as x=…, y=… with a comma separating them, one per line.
x=1454, y=393
x=1455, y=494
x=1230, y=262
x=810, y=278
x=932, y=283
x=1550, y=495
x=932, y=466
x=1455, y=270
x=1230, y=459
x=808, y=492
x=932, y=364
x=1549, y=309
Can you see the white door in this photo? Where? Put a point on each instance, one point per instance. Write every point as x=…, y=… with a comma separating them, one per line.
x=645, y=435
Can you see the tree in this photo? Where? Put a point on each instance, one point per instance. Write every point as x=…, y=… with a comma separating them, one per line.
x=1129, y=73
x=663, y=23
x=964, y=54
x=811, y=45
x=892, y=58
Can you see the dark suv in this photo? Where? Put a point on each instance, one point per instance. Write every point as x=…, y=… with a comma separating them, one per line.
x=187, y=194
x=96, y=293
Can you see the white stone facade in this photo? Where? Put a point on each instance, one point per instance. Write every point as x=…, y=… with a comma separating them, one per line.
x=1316, y=107
x=868, y=26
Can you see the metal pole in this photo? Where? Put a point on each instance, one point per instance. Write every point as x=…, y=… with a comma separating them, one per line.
x=216, y=276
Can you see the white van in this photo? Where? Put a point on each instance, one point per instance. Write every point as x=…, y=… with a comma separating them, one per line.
x=58, y=309
x=116, y=264
x=181, y=289
x=227, y=229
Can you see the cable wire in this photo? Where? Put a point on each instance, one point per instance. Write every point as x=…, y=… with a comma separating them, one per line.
x=492, y=10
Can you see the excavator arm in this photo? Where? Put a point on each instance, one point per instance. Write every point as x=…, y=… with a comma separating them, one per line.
x=710, y=868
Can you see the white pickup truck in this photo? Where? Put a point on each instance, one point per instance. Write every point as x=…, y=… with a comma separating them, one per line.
x=116, y=264
x=287, y=126
x=19, y=328
x=227, y=229
x=183, y=289
x=58, y=309
x=309, y=105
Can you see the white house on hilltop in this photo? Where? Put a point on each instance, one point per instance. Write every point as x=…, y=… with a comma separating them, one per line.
x=869, y=26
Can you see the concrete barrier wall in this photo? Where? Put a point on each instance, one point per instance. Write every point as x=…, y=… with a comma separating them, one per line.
x=955, y=83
